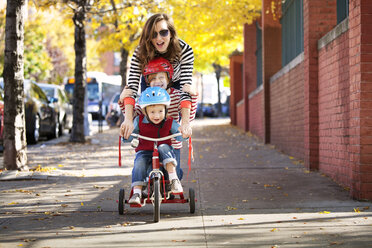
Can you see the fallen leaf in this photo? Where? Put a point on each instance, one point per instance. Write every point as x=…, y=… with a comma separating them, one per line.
x=64, y=205
x=13, y=203
x=274, y=230
x=241, y=219
x=356, y=210
x=82, y=204
x=60, y=165
x=324, y=212
x=184, y=240
x=228, y=208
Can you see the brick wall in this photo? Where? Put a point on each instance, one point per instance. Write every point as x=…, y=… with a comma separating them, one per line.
x=256, y=115
x=236, y=84
x=287, y=118
x=334, y=112
x=240, y=114
x=360, y=44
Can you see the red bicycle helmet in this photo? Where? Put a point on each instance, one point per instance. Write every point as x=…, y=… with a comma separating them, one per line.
x=158, y=65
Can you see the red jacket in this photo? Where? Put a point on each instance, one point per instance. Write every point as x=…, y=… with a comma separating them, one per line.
x=153, y=131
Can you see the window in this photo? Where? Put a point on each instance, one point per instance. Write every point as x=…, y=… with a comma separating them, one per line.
x=342, y=10
x=117, y=59
x=292, y=30
x=258, y=54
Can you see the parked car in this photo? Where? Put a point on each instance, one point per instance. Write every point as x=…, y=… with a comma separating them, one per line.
x=57, y=96
x=208, y=109
x=41, y=117
x=114, y=111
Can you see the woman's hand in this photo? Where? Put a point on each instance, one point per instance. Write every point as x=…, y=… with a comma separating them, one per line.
x=126, y=128
x=185, y=129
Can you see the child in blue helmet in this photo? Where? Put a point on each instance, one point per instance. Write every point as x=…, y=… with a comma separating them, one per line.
x=153, y=122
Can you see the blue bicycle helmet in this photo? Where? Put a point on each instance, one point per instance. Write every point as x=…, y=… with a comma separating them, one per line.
x=152, y=96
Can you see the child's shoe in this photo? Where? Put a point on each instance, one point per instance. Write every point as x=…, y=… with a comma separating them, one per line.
x=135, y=199
x=176, y=186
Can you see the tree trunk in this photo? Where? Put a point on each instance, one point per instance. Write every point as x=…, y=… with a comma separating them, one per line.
x=217, y=70
x=15, y=146
x=123, y=66
x=77, y=133
x=123, y=71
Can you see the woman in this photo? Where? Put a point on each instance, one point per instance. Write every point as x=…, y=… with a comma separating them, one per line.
x=159, y=39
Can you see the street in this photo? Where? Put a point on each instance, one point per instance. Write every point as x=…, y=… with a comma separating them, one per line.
x=248, y=195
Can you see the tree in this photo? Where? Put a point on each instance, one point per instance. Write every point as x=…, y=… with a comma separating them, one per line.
x=214, y=28
x=15, y=156
x=80, y=12
x=119, y=24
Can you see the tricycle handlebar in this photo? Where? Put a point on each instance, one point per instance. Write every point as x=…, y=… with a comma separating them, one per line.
x=156, y=139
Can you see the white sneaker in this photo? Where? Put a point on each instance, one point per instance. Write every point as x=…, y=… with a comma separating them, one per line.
x=135, y=199
x=176, y=186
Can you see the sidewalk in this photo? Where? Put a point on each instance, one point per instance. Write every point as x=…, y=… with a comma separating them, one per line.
x=249, y=195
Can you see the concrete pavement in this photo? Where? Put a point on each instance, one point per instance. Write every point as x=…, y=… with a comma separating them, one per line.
x=249, y=195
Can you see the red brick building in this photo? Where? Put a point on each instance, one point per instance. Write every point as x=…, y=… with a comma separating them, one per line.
x=304, y=84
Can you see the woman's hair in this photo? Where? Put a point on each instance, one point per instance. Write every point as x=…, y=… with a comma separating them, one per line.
x=147, y=51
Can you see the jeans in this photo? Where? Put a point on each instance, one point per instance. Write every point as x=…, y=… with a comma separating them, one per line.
x=143, y=163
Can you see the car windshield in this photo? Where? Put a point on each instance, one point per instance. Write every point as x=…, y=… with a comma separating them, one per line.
x=92, y=88
x=93, y=92
x=116, y=99
x=49, y=92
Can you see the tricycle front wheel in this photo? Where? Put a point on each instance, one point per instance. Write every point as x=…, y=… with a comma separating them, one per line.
x=156, y=200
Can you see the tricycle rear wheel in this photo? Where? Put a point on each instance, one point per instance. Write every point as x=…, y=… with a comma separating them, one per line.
x=192, y=200
x=121, y=201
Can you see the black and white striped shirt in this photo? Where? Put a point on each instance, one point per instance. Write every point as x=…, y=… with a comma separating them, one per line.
x=183, y=68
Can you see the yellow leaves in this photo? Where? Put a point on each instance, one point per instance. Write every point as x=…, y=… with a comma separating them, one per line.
x=13, y=203
x=357, y=210
x=60, y=166
x=324, y=212
x=274, y=230
x=217, y=37
x=241, y=218
x=39, y=168
x=82, y=204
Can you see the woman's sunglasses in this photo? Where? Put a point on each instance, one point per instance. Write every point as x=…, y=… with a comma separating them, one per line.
x=163, y=33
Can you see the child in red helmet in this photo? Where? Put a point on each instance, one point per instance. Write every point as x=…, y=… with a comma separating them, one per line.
x=158, y=72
